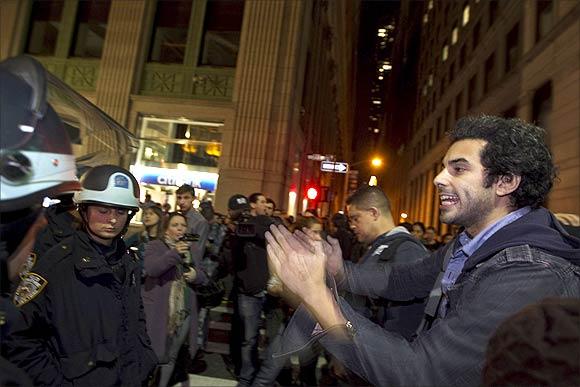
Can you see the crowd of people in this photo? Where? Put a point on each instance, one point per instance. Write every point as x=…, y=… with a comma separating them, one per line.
x=385, y=303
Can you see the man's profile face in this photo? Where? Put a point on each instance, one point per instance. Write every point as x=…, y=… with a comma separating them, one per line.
x=269, y=209
x=185, y=201
x=259, y=207
x=361, y=221
x=463, y=198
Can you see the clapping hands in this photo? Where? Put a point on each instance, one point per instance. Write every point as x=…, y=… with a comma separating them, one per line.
x=301, y=259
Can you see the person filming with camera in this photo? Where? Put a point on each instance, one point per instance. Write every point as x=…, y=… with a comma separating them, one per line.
x=170, y=274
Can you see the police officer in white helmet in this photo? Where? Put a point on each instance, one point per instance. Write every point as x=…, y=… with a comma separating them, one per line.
x=36, y=161
x=82, y=320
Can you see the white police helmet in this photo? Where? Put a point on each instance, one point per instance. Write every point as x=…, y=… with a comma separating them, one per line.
x=109, y=185
x=36, y=158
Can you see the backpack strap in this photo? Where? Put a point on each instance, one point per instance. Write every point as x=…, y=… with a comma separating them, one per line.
x=435, y=295
x=393, y=245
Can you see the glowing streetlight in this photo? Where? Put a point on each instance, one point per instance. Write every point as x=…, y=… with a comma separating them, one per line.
x=376, y=162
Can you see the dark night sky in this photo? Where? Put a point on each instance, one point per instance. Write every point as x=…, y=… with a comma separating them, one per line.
x=372, y=12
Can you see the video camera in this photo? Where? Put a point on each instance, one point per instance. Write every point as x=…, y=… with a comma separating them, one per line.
x=188, y=237
x=245, y=228
x=253, y=226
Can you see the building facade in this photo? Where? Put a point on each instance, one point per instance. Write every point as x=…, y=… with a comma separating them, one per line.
x=508, y=58
x=229, y=95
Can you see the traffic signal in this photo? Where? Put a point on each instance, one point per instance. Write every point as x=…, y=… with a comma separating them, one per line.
x=312, y=193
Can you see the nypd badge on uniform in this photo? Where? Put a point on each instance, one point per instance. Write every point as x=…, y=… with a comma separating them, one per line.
x=30, y=286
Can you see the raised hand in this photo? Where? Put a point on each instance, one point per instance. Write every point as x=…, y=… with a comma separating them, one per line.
x=334, y=260
x=300, y=264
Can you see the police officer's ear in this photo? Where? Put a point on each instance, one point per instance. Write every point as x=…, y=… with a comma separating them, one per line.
x=375, y=213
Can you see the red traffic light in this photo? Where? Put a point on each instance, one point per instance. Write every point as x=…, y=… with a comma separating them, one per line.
x=312, y=193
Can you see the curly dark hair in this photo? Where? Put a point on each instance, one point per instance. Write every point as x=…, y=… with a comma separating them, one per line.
x=514, y=148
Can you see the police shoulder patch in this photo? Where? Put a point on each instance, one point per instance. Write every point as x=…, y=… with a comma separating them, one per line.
x=31, y=285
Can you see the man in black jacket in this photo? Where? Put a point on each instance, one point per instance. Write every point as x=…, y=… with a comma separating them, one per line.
x=251, y=275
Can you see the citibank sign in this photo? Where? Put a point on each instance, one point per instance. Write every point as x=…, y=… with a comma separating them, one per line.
x=175, y=177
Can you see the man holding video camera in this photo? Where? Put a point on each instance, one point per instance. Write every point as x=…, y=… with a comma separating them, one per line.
x=250, y=275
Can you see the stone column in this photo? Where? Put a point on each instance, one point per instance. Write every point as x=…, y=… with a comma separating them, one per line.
x=269, y=75
x=121, y=58
x=14, y=15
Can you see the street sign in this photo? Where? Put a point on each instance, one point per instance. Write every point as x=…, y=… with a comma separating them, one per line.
x=334, y=166
x=319, y=157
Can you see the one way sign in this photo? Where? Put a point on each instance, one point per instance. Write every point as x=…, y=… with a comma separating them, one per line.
x=334, y=166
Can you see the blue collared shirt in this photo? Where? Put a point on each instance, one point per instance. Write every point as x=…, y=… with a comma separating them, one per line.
x=466, y=246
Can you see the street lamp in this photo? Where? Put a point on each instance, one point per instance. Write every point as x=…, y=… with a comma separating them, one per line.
x=376, y=162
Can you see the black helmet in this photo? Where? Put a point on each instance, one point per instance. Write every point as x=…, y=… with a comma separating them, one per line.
x=36, y=158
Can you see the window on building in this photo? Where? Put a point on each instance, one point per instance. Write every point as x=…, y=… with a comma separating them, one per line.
x=221, y=32
x=447, y=120
x=472, y=92
x=542, y=106
x=44, y=27
x=493, y=11
x=459, y=106
x=544, y=18
x=451, y=72
x=90, y=28
x=445, y=53
x=180, y=141
x=170, y=30
x=440, y=128
x=454, y=35
x=512, y=49
x=462, y=56
x=489, y=74
x=475, y=35
x=465, y=19
x=511, y=112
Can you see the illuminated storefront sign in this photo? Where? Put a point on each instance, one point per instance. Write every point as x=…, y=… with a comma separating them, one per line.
x=175, y=177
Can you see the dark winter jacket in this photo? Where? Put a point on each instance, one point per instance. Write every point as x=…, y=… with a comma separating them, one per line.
x=250, y=257
x=82, y=319
x=523, y=263
x=395, y=247
x=61, y=224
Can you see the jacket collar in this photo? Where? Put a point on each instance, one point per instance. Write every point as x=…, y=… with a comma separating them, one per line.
x=89, y=261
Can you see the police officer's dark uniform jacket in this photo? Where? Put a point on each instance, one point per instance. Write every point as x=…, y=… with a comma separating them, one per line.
x=82, y=317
